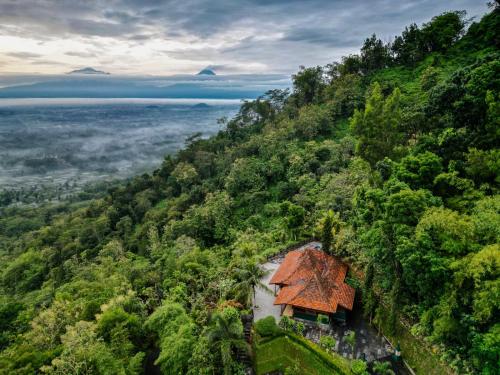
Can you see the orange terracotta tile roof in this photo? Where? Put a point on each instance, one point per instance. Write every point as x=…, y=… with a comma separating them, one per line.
x=312, y=279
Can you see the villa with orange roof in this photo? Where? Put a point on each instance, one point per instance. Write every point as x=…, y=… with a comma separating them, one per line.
x=311, y=282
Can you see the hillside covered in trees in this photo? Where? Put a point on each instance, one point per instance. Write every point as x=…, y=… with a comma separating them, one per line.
x=395, y=148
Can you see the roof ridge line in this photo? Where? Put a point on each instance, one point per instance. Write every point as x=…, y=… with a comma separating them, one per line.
x=319, y=279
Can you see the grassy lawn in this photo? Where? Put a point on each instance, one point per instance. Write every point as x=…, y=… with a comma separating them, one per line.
x=284, y=351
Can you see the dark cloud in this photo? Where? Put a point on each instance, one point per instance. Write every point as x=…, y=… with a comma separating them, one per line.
x=97, y=27
x=122, y=17
x=206, y=17
x=225, y=68
x=140, y=37
x=323, y=36
x=24, y=55
x=274, y=34
x=81, y=54
x=47, y=62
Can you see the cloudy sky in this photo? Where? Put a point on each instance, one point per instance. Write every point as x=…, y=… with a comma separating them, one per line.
x=172, y=37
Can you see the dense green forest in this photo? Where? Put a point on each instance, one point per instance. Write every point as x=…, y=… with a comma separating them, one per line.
x=394, y=151
x=40, y=194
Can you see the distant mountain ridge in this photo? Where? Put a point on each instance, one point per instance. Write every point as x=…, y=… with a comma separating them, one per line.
x=88, y=70
x=206, y=72
x=112, y=86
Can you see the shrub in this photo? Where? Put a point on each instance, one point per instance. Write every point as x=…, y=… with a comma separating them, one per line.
x=286, y=323
x=350, y=339
x=266, y=326
x=299, y=328
x=327, y=342
x=358, y=367
x=313, y=121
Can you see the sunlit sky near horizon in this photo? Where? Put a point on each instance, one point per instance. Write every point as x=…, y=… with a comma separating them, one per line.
x=144, y=37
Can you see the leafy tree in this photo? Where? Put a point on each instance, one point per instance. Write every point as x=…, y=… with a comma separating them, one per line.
x=250, y=277
x=84, y=353
x=185, y=174
x=485, y=350
x=294, y=214
x=419, y=171
x=443, y=31
x=226, y=334
x=369, y=298
x=124, y=226
x=486, y=220
x=429, y=79
x=115, y=319
x=378, y=127
x=9, y=320
x=408, y=48
x=345, y=93
x=482, y=166
x=245, y=175
x=203, y=359
x=351, y=64
x=25, y=273
x=175, y=331
x=308, y=85
x=313, y=121
x=481, y=269
x=329, y=229
x=461, y=103
x=326, y=232
x=374, y=54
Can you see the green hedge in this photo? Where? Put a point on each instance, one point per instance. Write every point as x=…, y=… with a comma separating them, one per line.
x=266, y=326
x=333, y=362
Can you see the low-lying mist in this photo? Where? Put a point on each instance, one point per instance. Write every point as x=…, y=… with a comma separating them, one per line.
x=74, y=141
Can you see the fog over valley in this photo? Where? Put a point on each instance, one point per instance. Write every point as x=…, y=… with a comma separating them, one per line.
x=73, y=141
x=60, y=132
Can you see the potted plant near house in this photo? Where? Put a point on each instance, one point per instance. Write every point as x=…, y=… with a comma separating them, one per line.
x=322, y=321
x=350, y=339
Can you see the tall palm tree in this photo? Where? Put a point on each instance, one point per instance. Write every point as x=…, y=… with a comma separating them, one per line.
x=226, y=333
x=250, y=276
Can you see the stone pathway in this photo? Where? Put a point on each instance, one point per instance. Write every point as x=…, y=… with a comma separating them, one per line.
x=263, y=304
x=369, y=346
